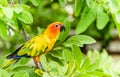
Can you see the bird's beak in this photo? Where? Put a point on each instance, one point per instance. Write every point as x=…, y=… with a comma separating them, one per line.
x=62, y=28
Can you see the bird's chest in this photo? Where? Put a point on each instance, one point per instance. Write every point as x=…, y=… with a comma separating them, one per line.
x=50, y=45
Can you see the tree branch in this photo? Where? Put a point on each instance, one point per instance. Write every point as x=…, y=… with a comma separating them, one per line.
x=24, y=34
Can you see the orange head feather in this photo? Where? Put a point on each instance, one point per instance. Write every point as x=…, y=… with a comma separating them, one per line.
x=54, y=29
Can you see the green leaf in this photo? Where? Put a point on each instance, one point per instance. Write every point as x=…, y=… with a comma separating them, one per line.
x=93, y=55
x=21, y=74
x=17, y=8
x=23, y=61
x=78, y=55
x=32, y=73
x=25, y=17
x=20, y=67
x=79, y=40
x=3, y=30
x=67, y=54
x=44, y=61
x=35, y=2
x=4, y=2
x=72, y=41
x=64, y=34
x=85, y=65
x=26, y=7
x=99, y=74
x=85, y=75
x=117, y=16
x=62, y=3
x=78, y=7
x=56, y=53
x=93, y=66
x=114, y=9
x=114, y=6
x=74, y=68
x=106, y=60
x=4, y=73
x=102, y=18
x=87, y=19
x=8, y=12
x=116, y=23
x=84, y=39
x=56, y=59
x=69, y=60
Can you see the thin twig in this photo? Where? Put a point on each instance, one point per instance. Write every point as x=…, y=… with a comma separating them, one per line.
x=10, y=26
x=11, y=3
x=23, y=31
x=25, y=35
x=19, y=1
x=48, y=73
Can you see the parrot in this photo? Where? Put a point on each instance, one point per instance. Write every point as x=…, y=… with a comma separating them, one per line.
x=38, y=45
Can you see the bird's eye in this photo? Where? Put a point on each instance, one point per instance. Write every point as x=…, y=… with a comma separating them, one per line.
x=56, y=25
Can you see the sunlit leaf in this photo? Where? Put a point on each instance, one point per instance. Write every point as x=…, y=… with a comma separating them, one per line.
x=21, y=74
x=85, y=75
x=35, y=2
x=79, y=40
x=117, y=16
x=23, y=61
x=3, y=30
x=32, y=73
x=62, y=3
x=74, y=68
x=93, y=55
x=87, y=19
x=57, y=53
x=113, y=5
x=69, y=60
x=4, y=73
x=8, y=12
x=102, y=18
x=67, y=68
x=17, y=8
x=55, y=59
x=85, y=65
x=78, y=55
x=65, y=33
x=116, y=23
x=78, y=6
x=25, y=17
x=4, y=2
x=44, y=62
x=20, y=67
x=100, y=74
x=84, y=39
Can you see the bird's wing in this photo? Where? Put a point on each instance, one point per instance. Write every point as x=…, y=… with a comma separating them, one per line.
x=14, y=54
x=35, y=47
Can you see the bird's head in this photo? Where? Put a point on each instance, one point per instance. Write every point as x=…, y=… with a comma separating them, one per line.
x=55, y=28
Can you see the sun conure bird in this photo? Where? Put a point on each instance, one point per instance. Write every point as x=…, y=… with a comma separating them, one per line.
x=38, y=45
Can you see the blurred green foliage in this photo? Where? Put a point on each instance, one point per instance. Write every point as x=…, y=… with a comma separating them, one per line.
x=74, y=64
x=20, y=20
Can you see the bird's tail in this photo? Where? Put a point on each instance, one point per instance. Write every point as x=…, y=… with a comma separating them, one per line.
x=11, y=62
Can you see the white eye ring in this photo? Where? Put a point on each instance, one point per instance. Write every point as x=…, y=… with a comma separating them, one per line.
x=56, y=25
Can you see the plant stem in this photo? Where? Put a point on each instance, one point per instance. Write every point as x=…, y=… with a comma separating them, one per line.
x=19, y=1
x=24, y=34
x=11, y=3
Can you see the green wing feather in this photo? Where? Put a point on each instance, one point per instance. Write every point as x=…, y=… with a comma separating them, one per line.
x=35, y=47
